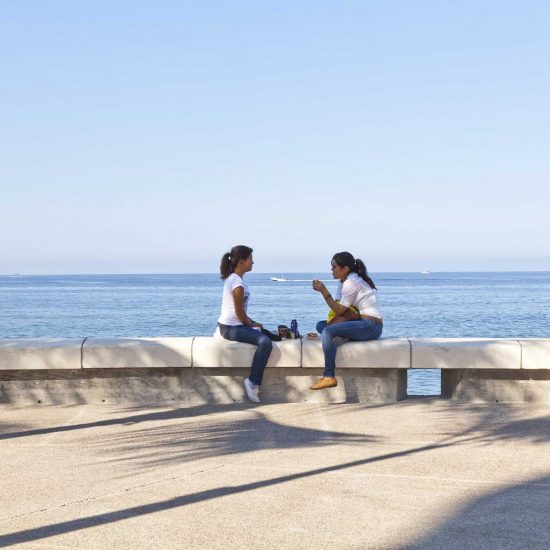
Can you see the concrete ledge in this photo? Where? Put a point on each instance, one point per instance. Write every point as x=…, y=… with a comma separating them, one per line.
x=465, y=353
x=39, y=354
x=197, y=385
x=90, y=386
x=384, y=353
x=208, y=369
x=217, y=352
x=292, y=385
x=494, y=386
x=535, y=353
x=116, y=353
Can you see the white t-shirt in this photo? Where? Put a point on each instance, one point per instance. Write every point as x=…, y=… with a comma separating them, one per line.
x=356, y=292
x=228, y=315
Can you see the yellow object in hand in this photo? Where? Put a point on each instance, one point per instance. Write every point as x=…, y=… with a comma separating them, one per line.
x=331, y=313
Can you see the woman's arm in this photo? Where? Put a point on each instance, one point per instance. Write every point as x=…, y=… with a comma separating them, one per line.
x=349, y=315
x=238, y=300
x=339, y=309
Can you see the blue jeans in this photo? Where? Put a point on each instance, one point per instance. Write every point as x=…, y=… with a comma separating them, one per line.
x=242, y=333
x=361, y=330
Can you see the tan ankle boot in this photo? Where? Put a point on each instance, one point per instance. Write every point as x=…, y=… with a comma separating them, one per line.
x=324, y=383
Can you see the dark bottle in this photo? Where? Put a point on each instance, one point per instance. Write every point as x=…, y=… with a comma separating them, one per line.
x=294, y=328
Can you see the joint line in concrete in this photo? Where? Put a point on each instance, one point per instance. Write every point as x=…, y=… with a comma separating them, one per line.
x=520, y=354
x=82, y=353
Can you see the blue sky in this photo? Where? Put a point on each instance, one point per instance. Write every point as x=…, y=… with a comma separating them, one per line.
x=152, y=136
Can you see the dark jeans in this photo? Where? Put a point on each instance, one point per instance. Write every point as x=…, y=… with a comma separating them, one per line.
x=361, y=330
x=242, y=333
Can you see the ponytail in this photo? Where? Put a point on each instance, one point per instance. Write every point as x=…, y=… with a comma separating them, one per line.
x=231, y=259
x=345, y=259
x=361, y=269
x=225, y=266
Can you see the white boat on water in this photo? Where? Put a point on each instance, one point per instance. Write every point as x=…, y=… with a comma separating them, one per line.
x=425, y=272
x=280, y=279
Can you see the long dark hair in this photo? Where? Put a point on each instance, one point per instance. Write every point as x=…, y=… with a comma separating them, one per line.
x=345, y=259
x=231, y=259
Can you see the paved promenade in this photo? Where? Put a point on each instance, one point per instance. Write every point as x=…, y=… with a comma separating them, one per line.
x=417, y=474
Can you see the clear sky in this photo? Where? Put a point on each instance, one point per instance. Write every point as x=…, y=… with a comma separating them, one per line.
x=147, y=137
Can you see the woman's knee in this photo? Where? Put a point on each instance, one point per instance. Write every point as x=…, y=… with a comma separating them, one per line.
x=374, y=331
x=265, y=342
x=327, y=335
x=321, y=325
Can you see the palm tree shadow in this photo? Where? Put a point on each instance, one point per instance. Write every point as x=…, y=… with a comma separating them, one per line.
x=515, y=517
x=14, y=431
x=38, y=533
x=489, y=422
x=192, y=439
x=512, y=518
x=499, y=424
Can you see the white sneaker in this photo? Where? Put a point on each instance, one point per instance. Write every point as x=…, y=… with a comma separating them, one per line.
x=252, y=391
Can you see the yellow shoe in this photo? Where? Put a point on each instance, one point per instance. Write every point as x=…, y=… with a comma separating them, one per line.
x=325, y=383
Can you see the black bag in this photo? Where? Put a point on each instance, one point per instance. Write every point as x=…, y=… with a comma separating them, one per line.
x=272, y=335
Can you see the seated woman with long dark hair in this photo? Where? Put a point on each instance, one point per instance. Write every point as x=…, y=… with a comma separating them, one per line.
x=234, y=322
x=356, y=289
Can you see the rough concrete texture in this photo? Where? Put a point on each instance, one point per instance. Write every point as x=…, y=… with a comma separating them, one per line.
x=462, y=353
x=416, y=474
x=385, y=353
x=215, y=352
x=494, y=386
x=136, y=352
x=208, y=385
x=43, y=353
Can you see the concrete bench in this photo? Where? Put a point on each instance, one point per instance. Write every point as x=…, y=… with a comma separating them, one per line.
x=83, y=370
x=136, y=353
x=487, y=369
x=211, y=369
x=368, y=371
x=52, y=353
x=373, y=372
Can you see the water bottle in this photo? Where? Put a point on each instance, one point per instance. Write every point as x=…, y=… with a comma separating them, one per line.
x=294, y=328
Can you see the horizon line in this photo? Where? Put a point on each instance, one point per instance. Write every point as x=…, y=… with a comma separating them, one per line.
x=263, y=273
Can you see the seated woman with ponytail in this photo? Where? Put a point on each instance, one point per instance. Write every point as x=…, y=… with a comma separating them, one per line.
x=234, y=322
x=356, y=293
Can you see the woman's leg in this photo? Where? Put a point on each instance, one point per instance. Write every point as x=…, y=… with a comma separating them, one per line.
x=320, y=326
x=260, y=359
x=247, y=335
x=354, y=330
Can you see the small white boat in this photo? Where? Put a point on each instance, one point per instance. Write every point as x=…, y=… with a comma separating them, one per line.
x=280, y=279
x=425, y=272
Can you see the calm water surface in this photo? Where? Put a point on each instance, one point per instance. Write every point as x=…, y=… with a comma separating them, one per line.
x=512, y=305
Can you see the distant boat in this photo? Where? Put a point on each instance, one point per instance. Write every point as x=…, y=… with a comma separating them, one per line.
x=280, y=279
x=425, y=272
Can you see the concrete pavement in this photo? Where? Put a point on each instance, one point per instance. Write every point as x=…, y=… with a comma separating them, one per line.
x=422, y=473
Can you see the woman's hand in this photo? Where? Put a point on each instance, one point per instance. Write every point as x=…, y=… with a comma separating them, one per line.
x=257, y=325
x=319, y=286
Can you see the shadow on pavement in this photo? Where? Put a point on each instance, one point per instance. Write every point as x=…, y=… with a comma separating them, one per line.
x=39, y=533
x=183, y=412
x=514, y=517
x=508, y=519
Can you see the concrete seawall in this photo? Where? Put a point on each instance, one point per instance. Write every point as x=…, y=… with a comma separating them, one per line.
x=211, y=370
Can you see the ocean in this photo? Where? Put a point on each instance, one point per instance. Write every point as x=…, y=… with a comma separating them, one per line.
x=502, y=304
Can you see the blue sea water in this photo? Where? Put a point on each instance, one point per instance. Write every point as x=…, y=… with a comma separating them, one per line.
x=503, y=304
